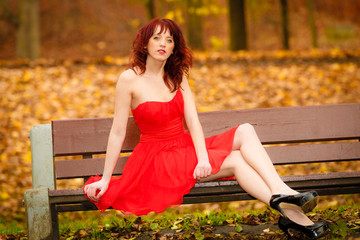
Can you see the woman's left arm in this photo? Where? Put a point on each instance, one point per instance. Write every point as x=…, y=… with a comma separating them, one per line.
x=203, y=168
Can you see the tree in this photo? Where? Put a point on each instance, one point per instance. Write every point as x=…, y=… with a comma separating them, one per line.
x=238, y=37
x=28, y=32
x=8, y=15
x=310, y=10
x=194, y=24
x=150, y=9
x=285, y=28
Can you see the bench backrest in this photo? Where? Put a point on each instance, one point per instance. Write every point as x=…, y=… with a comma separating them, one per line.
x=275, y=127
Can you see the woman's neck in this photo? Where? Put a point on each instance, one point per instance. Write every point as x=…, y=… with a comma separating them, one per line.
x=155, y=68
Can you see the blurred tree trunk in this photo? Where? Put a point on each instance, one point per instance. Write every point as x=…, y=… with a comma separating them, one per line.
x=150, y=9
x=285, y=23
x=28, y=33
x=310, y=10
x=194, y=25
x=238, y=37
x=8, y=15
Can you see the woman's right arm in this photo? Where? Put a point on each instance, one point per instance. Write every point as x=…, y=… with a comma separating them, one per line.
x=116, y=137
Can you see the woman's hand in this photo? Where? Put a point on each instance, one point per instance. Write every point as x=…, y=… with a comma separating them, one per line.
x=202, y=170
x=99, y=187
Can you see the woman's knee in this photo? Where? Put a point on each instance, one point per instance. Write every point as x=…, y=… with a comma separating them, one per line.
x=245, y=130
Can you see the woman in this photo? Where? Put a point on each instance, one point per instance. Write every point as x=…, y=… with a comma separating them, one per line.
x=168, y=160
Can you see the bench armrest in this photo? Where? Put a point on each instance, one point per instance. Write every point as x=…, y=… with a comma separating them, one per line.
x=42, y=161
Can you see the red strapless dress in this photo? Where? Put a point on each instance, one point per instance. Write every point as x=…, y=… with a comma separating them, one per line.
x=159, y=171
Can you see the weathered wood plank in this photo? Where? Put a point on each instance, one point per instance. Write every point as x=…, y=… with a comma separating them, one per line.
x=76, y=207
x=88, y=206
x=342, y=181
x=310, y=153
x=291, y=124
x=244, y=196
x=273, y=125
x=83, y=168
x=89, y=136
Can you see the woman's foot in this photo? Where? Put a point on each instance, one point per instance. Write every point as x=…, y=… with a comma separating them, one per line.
x=296, y=215
x=312, y=231
x=307, y=201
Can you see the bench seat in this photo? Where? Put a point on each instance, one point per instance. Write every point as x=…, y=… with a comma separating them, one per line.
x=227, y=190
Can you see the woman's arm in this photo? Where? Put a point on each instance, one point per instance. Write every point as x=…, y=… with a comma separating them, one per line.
x=116, y=136
x=203, y=168
x=118, y=128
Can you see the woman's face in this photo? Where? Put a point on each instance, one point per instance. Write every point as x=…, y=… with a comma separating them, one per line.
x=160, y=45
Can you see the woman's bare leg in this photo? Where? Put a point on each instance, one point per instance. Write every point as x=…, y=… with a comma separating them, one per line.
x=246, y=176
x=247, y=141
x=251, y=181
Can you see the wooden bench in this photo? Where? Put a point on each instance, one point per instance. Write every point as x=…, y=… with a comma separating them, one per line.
x=292, y=135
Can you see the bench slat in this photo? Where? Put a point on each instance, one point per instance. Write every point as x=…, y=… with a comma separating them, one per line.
x=245, y=196
x=344, y=151
x=348, y=181
x=83, y=168
x=86, y=206
x=311, y=153
x=273, y=125
x=76, y=207
x=89, y=136
x=342, y=179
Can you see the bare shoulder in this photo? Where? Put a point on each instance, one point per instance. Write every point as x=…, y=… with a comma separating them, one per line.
x=185, y=84
x=127, y=79
x=128, y=76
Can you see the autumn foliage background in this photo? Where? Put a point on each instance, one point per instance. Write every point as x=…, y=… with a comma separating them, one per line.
x=84, y=52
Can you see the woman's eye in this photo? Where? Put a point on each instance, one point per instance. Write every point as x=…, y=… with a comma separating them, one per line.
x=169, y=40
x=156, y=38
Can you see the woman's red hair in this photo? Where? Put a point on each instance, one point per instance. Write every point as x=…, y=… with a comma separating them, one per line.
x=176, y=65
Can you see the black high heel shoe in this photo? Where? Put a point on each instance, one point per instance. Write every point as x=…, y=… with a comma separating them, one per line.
x=311, y=231
x=307, y=201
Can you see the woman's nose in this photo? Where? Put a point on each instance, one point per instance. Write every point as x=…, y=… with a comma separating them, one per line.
x=162, y=42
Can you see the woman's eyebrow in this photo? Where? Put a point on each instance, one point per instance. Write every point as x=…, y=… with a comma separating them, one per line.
x=159, y=34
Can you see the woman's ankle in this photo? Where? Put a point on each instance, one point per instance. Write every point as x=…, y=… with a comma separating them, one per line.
x=285, y=190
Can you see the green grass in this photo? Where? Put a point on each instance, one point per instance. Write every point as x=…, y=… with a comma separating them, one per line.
x=102, y=224
x=11, y=227
x=343, y=219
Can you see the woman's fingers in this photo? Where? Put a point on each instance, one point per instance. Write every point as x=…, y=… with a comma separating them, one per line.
x=209, y=171
x=202, y=171
x=100, y=194
x=90, y=191
x=196, y=173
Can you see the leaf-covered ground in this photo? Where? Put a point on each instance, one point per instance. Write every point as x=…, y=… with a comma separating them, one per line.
x=214, y=225
x=37, y=92
x=199, y=225
x=344, y=223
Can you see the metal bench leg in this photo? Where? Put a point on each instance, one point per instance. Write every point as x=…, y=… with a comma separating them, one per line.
x=55, y=221
x=38, y=214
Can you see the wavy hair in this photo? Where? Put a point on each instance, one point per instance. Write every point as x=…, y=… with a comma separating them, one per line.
x=177, y=64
